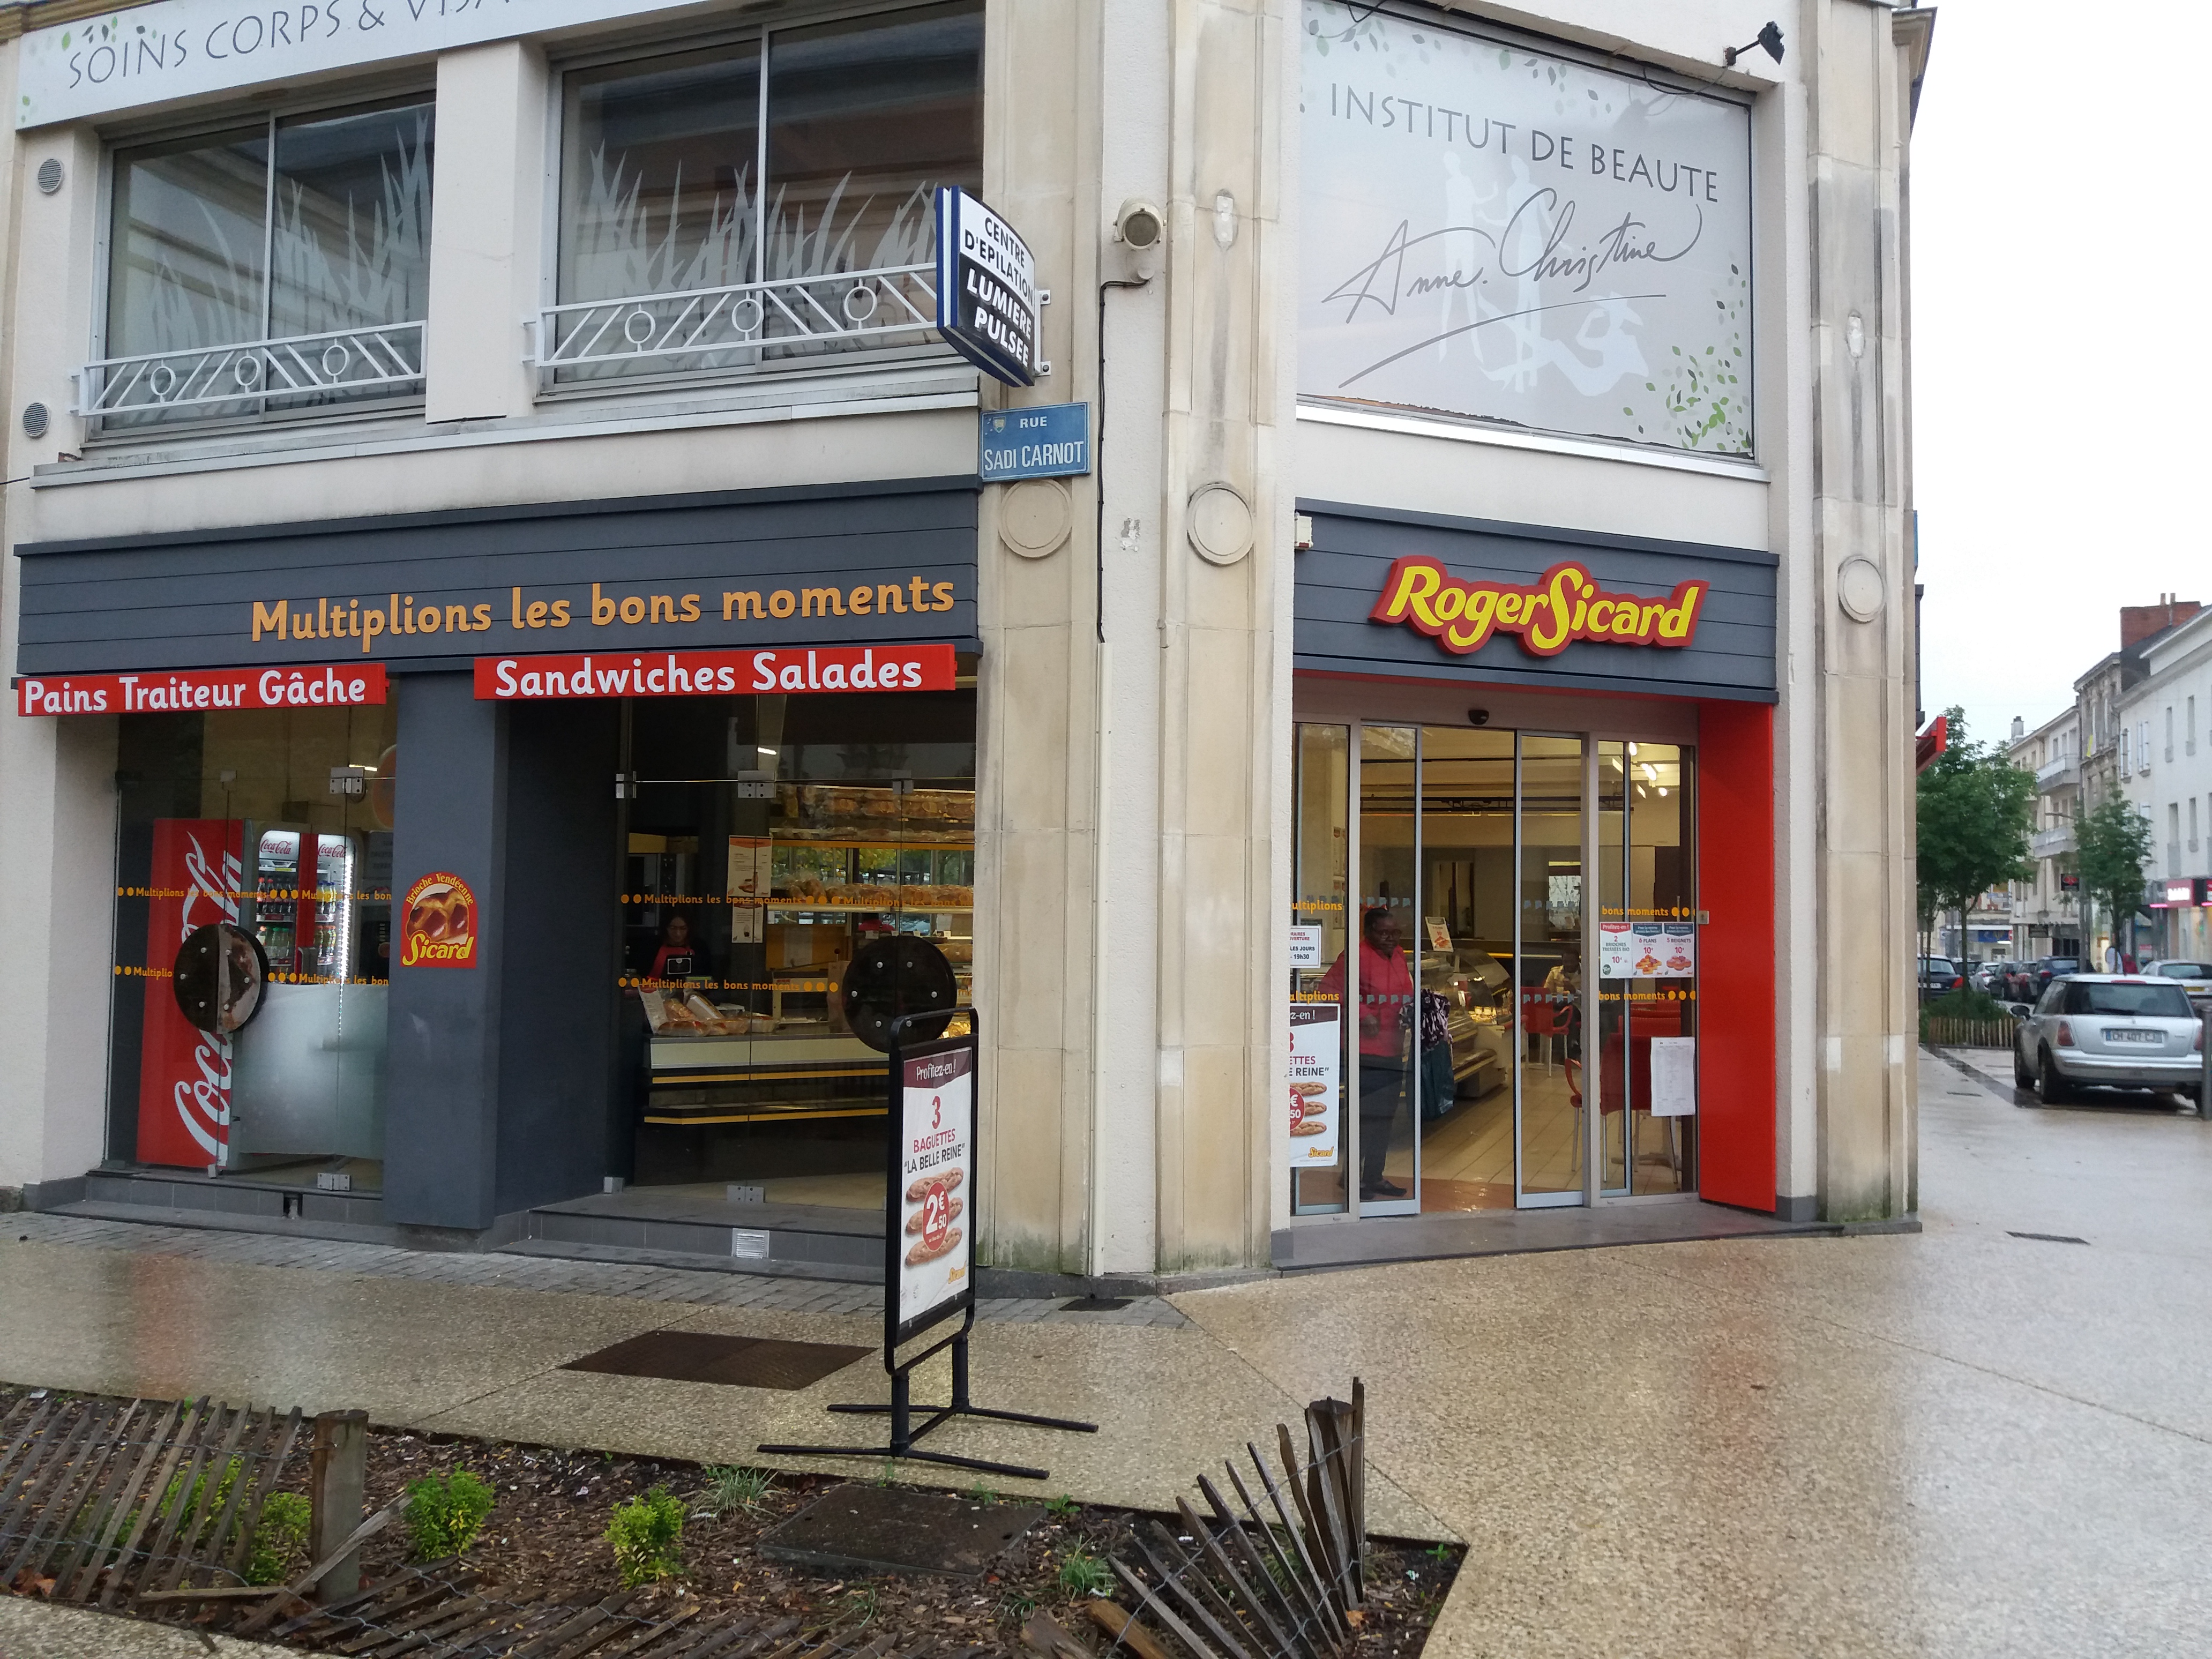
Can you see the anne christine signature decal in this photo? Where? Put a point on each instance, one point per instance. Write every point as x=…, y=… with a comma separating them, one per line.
x=1384, y=282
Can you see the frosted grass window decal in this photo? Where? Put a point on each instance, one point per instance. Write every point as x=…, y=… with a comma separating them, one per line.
x=270, y=269
x=714, y=216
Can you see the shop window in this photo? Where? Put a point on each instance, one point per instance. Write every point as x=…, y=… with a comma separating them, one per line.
x=253, y=934
x=762, y=203
x=279, y=268
x=776, y=854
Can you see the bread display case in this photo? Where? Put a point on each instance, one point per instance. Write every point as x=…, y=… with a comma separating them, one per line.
x=747, y=1025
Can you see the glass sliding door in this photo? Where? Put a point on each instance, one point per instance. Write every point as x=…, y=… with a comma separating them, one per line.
x=1320, y=925
x=1548, y=972
x=1446, y=1052
x=1661, y=1004
x=1387, y=1149
x=1465, y=1082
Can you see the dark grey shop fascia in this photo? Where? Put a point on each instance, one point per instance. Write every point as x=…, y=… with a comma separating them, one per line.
x=1339, y=577
x=889, y=562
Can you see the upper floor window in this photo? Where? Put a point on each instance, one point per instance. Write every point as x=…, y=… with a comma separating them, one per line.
x=271, y=268
x=761, y=203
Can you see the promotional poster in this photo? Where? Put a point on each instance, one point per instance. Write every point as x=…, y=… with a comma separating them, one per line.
x=184, y=1073
x=936, y=1130
x=1504, y=234
x=1316, y=1067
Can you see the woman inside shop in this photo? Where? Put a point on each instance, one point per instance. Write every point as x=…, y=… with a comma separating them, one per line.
x=676, y=958
x=1386, y=1032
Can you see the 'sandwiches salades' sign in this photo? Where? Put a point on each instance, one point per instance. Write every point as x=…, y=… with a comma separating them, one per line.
x=706, y=673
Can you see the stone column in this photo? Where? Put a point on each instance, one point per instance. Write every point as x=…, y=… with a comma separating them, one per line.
x=1224, y=539
x=1865, y=1001
x=488, y=231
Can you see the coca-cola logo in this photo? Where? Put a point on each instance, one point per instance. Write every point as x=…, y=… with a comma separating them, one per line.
x=203, y=1103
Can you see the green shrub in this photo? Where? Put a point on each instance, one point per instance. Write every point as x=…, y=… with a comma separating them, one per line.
x=1083, y=1574
x=1965, y=1005
x=729, y=1488
x=647, y=1534
x=444, y=1513
x=280, y=1538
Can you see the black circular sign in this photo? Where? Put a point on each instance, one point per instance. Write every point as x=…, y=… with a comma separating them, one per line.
x=891, y=977
x=220, y=973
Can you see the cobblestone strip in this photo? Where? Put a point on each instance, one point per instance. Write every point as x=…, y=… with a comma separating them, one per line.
x=638, y=1282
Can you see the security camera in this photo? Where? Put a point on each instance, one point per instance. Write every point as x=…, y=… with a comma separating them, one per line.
x=1142, y=228
x=1478, y=716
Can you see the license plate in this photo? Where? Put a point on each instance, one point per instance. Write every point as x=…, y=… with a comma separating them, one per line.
x=2158, y=1037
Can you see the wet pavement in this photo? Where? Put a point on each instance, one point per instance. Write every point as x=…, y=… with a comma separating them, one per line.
x=1960, y=1442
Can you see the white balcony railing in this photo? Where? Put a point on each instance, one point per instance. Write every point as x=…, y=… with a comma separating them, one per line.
x=2058, y=774
x=2050, y=843
x=744, y=325
x=305, y=371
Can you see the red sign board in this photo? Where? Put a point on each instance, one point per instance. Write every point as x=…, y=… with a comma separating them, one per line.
x=697, y=673
x=184, y=1073
x=189, y=689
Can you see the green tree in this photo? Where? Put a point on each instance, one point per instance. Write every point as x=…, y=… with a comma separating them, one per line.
x=1975, y=810
x=2111, y=844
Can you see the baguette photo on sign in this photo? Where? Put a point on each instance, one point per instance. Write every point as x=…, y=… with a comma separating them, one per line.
x=919, y=1187
x=921, y=1252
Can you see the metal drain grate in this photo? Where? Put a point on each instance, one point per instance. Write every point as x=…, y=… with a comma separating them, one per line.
x=1095, y=1304
x=2048, y=1238
x=743, y=1362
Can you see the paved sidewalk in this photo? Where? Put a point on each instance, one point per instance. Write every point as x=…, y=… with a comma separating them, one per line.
x=557, y=1274
x=1972, y=1441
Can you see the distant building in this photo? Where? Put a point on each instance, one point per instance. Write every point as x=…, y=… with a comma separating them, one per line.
x=2165, y=764
x=2046, y=913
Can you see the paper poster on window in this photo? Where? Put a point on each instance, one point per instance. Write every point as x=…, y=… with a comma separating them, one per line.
x=1519, y=236
x=1305, y=947
x=1316, y=1071
x=1647, y=950
x=1616, y=950
x=1674, y=1077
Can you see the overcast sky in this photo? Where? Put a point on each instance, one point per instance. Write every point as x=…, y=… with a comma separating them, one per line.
x=2061, y=364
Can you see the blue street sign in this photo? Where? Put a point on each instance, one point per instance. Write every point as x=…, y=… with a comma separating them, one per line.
x=1053, y=441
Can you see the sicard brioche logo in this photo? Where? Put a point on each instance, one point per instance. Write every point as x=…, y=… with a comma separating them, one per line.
x=1563, y=606
x=438, y=927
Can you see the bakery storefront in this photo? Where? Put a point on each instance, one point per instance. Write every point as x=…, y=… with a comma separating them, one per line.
x=464, y=860
x=1532, y=904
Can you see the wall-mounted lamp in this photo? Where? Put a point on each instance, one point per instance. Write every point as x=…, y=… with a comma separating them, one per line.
x=1770, y=37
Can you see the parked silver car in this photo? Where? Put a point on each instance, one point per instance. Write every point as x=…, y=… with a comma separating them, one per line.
x=2195, y=978
x=2121, y=1030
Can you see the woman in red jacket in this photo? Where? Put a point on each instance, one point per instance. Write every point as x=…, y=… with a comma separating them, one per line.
x=1386, y=1040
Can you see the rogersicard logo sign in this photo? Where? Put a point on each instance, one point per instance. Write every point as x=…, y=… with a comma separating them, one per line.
x=1563, y=606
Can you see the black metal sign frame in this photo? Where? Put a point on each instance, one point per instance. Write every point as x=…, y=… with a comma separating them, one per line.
x=901, y=1408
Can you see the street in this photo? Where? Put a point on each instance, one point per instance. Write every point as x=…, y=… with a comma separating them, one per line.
x=1957, y=1442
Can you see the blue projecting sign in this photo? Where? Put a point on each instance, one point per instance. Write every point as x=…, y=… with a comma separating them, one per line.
x=1053, y=441
x=986, y=291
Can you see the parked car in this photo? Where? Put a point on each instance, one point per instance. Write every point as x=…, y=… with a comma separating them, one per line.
x=1938, y=975
x=2195, y=979
x=2118, y=1030
x=1990, y=978
x=2050, y=968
